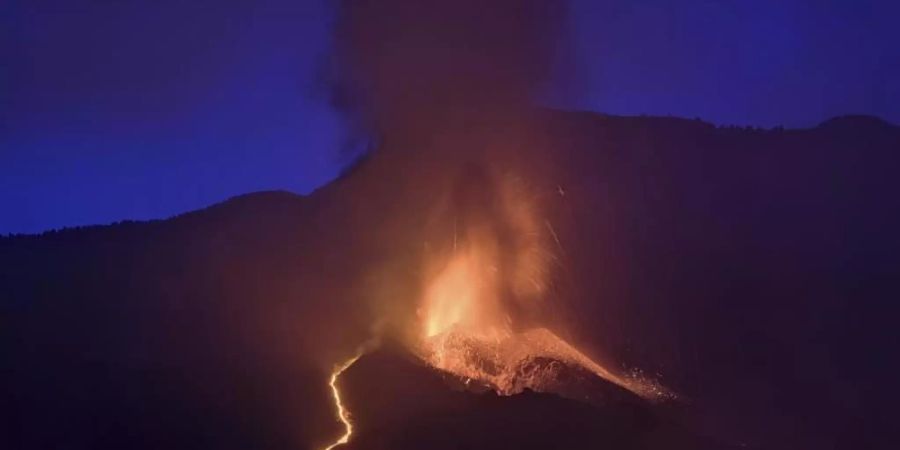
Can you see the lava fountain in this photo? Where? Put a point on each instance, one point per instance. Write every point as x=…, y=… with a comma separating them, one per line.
x=465, y=332
x=478, y=317
x=471, y=311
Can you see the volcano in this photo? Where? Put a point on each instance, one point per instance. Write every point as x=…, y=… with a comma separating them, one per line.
x=592, y=282
x=536, y=360
x=415, y=406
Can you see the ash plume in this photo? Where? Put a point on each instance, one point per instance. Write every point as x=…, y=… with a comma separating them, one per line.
x=452, y=85
x=450, y=89
x=413, y=66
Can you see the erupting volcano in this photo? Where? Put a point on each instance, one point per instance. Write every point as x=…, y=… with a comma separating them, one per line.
x=486, y=278
x=467, y=329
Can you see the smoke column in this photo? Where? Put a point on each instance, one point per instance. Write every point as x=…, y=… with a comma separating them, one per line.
x=421, y=66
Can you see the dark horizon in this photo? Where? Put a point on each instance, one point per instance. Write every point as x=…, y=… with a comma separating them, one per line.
x=343, y=167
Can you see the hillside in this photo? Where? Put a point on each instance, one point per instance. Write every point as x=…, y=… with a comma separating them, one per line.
x=752, y=271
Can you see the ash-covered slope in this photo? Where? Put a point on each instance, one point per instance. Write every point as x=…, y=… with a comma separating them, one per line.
x=754, y=270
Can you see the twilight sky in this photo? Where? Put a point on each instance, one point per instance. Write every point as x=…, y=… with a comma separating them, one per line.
x=135, y=109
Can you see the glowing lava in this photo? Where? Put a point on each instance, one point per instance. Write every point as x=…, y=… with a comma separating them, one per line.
x=512, y=362
x=462, y=295
x=466, y=333
x=499, y=265
x=342, y=415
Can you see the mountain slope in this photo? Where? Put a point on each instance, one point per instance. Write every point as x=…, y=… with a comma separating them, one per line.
x=753, y=270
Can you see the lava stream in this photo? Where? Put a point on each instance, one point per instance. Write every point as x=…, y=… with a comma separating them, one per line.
x=342, y=412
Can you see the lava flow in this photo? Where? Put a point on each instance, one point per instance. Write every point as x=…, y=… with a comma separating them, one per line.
x=342, y=413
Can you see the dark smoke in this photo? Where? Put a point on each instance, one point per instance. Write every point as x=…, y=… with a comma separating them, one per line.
x=412, y=66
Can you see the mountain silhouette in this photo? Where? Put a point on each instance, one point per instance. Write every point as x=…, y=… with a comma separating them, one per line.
x=754, y=272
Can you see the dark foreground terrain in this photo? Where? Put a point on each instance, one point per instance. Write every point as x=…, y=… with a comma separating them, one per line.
x=754, y=272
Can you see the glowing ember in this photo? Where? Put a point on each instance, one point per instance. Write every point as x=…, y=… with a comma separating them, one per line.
x=513, y=362
x=342, y=415
x=465, y=326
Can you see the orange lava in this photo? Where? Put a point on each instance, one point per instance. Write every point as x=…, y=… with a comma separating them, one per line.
x=342, y=413
x=465, y=327
x=462, y=295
